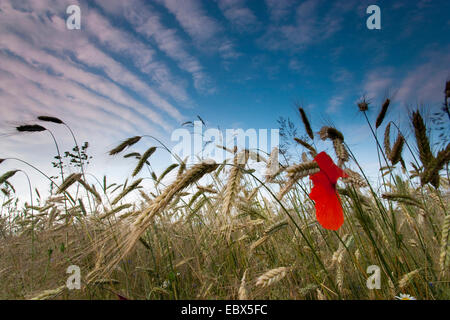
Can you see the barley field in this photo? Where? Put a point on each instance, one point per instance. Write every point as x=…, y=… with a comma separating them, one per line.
x=221, y=231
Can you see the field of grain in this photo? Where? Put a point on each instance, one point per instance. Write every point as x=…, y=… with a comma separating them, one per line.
x=220, y=231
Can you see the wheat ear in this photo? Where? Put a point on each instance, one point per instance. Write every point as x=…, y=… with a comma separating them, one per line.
x=271, y=277
x=444, y=243
x=233, y=183
x=243, y=292
x=130, y=236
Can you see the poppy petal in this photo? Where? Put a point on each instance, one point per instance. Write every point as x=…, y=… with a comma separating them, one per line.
x=327, y=166
x=329, y=211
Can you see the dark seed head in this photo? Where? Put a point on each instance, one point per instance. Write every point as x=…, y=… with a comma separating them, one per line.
x=396, y=152
x=422, y=140
x=30, y=128
x=330, y=133
x=7, y=175
x=137, y=155
x=306, y=145
x=50, y=119
x=125, y=144
x=382, y=113
x=363, y=105
x=306, y=123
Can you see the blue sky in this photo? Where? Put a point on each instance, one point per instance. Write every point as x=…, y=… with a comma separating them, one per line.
x=144, y=67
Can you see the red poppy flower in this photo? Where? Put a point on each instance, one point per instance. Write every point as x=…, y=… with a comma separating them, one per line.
x=329, y=211
x=121, y=297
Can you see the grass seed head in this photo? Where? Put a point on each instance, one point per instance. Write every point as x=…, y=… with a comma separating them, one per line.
x=125, y=144
x=354, y=178
x=50, y=119
x=447, y=89
x=301, y=170
x=30, y=128
x=443, y=257
x=147, y=154
x=341, y=151
x=271, y=277
x=363, y=105
x=306, y=123
x=407, y=278
x=423, y=143
x=396, y=152
x=70, y=180
x=330, y=133
x=7, y=175
x=387, y=140
x=243, y=292
x=382, y=113
x=305, y=144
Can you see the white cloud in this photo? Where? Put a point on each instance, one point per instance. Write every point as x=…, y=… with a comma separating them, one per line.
x=70, y=72
x=193, y=18
x=422, y=83
x=207, y=33
x=147, y=22
x=50, y=34
x=342, y=76
x=425, y=83
x=141, y=55
x=54, y=93
x=226, y=50
x=334, y=104
x=83, y=77
x=315, y=21
x=279, y=9
x=378, y=82
x=241, y=17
